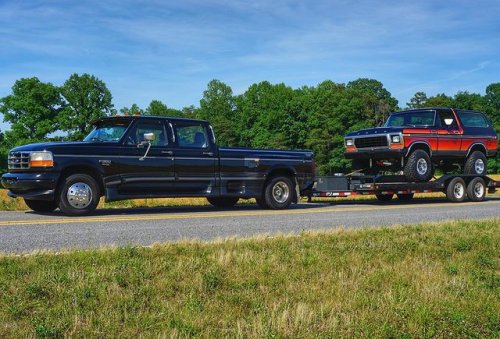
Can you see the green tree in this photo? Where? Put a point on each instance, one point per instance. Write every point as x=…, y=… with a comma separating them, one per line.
x=466, y=100
x=440, y=100
x=86, y=98
x=132, y=110
x=31, y=110
x=419, y=100
x=158, y=108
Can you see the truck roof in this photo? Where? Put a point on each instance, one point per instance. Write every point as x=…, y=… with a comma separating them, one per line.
x=143, y=117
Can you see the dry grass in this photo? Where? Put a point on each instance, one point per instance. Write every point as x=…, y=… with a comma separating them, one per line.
x=430, y=280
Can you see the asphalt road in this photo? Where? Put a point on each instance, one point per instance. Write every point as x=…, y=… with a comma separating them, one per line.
x=24, y=232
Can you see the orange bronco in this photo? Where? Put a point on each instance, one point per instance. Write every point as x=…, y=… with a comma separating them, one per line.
x=417, y=140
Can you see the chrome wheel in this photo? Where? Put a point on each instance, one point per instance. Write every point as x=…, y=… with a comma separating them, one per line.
x=478, y=189
x=422, y=166
x=281, y=192
x=79, y=195
x=458, y=190
x=479, y=166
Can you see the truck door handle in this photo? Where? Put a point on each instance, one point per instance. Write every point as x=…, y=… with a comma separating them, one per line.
x=433, y=131
x=167, y=152
x=208, y=153
x=456, y=132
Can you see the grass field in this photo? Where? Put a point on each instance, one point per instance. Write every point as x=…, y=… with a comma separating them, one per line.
x=9, y=204
x=440, y=280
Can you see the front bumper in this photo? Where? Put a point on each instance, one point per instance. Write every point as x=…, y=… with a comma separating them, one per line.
x=376, y=154
x=32, y=186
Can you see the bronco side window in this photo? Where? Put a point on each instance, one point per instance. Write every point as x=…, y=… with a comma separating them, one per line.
x=447, y=120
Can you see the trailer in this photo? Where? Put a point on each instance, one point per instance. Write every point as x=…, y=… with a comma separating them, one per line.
x=456, y=187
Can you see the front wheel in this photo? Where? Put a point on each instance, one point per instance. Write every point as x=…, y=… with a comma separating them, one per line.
x=41, y=206
x=418, y=166
x=222, y=201
x=279, y=193
x=79, y=195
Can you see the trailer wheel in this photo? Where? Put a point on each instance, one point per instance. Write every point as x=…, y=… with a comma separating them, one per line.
x=279, y=193
x=405, y=196
x=222, y=201
x=456, y=190
x=476, y=189
x=384, y=197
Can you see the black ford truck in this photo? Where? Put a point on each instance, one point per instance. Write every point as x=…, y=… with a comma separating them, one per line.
x=129, y=157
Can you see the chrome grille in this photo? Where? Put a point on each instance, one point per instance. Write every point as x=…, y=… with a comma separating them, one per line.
x=19, y=160
x=367, y=142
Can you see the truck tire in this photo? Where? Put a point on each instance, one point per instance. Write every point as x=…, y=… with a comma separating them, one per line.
x=455, y=191
x=476, y=163
x=279, y=193
x=223, y=201
x=418, y=166
x=79, y=195
x=405, y=196
x=42, y=206
x=384, y=197
x=476, y=189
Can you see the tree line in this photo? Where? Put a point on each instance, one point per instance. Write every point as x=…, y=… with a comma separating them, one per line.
x=264, y=116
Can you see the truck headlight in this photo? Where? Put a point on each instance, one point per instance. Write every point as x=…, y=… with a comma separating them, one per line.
x=395, y=139
x=41, y=159
x=349, y=142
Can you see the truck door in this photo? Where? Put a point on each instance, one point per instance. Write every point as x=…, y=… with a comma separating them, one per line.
x=152, y=173
x=196, y=159
x=449, y=134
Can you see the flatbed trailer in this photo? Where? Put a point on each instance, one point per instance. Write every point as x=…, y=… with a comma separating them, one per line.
x=456, y=187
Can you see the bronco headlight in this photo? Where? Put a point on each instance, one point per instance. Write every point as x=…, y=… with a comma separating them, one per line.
x=349, y=142
x=395, y=139
x=41, y=159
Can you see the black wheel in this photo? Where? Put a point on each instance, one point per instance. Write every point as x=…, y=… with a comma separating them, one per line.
x=223, y=201
x=476, y=189
x=41, y=205
x=279, y=192
x=79, y=194
x=475, y=163
x=456, y=190
x=405, y=196
x=418, y=166
x=384, y=197
x=262, y=203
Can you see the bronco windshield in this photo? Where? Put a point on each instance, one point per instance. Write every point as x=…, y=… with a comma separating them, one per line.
x=411, y=119
x=107, y=131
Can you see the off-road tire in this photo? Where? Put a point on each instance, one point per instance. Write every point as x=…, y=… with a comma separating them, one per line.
x=414, y=165
x=69, y=207
x=42, y=206
x=223, y=202
x=279, y=192
x=474, y=162
x=476, y=189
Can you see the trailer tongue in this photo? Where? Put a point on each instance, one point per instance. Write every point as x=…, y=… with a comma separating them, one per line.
x=384, y=187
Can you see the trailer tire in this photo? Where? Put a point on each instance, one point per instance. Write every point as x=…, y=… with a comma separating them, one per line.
x=476, y=164
x=456, y=191
x=476, y=189
x=223, y=202
x=384, y=197
x=279, y=192
x=405, y=196
x=418, y=166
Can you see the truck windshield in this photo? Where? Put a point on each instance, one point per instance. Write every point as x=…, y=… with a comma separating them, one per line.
x=107, y=131
x=412, y=119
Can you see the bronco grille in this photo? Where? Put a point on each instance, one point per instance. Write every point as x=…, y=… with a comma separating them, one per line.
x=19, y=160
x=367, y=142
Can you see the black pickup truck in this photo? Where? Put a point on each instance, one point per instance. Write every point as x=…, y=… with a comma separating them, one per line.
x=129, y=157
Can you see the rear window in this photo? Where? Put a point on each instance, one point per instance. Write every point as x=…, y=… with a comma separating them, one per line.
x=470, y=119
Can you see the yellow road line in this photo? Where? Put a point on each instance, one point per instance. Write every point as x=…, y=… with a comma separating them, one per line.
x=202, y=215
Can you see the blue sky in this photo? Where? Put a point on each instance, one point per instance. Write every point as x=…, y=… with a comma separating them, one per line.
x=170, y=50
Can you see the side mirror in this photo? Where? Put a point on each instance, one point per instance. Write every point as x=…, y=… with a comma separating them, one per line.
x=148, y=138
x=448, y=121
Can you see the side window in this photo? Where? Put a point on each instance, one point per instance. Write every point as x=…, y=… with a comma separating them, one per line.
x=473, y=120
x=447, y=120
x=192, y=135
x=136, y=135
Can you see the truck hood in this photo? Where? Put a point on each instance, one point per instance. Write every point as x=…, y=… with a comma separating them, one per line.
x=375, y=131
x=51, y=146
